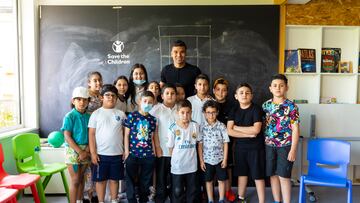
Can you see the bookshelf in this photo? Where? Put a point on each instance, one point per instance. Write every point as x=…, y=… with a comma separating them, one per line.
x=315, y=87
x=332, y=120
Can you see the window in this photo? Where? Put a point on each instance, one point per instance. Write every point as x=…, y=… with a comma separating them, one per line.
x=9, y=67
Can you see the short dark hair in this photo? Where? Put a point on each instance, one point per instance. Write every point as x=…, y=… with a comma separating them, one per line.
x=147, y=94
x=211, y=104
x=279, y=77
x=179, y=85
x=108, y=88
x=202, y=77
x=167, y=85
x=244, y=84
x=178, y=43
x=183, y=104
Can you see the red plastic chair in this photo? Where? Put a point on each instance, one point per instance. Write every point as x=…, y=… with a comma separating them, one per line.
x=20, y=181
x=8, y=195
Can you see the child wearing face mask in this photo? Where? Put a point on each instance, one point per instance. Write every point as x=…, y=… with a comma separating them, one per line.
x=139, y=144
x=138, y=81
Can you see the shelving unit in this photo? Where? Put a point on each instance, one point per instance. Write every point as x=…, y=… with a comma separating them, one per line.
x=344, y=87
x=332, y=120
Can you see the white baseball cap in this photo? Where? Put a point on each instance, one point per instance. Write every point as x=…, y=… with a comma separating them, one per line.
x=80, y=92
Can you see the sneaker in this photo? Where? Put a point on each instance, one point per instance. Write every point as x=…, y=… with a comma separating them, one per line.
x=222, y=201
x=94, y=199
x=239, y=200
x=122, y=195
x=86, y=201
x=230, y=196
x=152, y=194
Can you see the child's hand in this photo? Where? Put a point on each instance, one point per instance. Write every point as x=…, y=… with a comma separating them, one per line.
x=224, y=163
x=202, y=165
x=159, y=152
x=292, y=155
x=95, y=159
x=126, y=154
x=82, y=155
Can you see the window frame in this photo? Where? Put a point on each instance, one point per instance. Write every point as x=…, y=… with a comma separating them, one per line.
x=19, y=73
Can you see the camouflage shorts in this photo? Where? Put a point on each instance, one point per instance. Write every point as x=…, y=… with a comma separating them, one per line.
x=71, y=156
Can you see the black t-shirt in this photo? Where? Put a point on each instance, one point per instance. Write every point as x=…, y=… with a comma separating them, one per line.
x=224, y=111
x=247, y=117
x=185, y=76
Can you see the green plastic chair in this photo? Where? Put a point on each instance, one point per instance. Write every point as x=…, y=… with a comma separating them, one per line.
x=24, y=149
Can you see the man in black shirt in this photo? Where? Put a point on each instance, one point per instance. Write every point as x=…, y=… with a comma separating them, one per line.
x=180, y=71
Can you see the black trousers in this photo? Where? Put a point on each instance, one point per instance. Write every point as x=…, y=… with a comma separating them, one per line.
x=142, y=169
x=185, y=184
x=163, y=179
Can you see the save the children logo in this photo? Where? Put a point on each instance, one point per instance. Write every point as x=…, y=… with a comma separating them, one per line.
x=118, y=46
x=120, y=57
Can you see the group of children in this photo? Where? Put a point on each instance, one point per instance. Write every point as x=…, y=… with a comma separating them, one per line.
x=153, y=136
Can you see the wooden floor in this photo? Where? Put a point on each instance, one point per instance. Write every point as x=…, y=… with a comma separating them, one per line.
x=324, y=195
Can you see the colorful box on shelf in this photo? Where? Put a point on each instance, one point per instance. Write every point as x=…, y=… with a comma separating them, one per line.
x=328, y=100
x=345, y=67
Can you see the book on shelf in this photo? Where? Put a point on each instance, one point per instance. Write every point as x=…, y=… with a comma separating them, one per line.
x=300, y=101
x=345, y=67
x=330, y=58
x=292, y=61
x=307, y=60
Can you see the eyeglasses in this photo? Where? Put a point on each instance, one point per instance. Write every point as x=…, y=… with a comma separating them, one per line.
x=109, y=95
x=210, y=113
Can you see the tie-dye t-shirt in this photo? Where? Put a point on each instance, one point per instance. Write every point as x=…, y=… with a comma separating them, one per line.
x=278, y=121
x=141, y=131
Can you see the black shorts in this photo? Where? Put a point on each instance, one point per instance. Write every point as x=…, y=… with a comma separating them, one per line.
x=230, y=160
x=277, y=162
x=109, y=168
x=249, y=162
x=211, y=170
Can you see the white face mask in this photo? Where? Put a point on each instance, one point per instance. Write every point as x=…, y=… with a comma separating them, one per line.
x=146, y=107
x=139, y=82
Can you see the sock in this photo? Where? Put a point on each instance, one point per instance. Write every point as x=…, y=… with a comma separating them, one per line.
x=242, y=198
x=79, y=201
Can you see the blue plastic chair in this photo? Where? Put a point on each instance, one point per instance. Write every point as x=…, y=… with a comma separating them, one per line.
x=328, y=164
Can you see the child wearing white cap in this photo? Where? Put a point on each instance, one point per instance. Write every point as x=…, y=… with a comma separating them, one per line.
x=76, y=147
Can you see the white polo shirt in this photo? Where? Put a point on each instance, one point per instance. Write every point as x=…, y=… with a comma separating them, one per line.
x=197, y=104
x=108, y=130
x=183, y=141
x=165, y=117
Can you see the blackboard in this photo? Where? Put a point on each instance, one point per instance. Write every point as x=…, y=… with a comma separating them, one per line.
x=240, y=43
